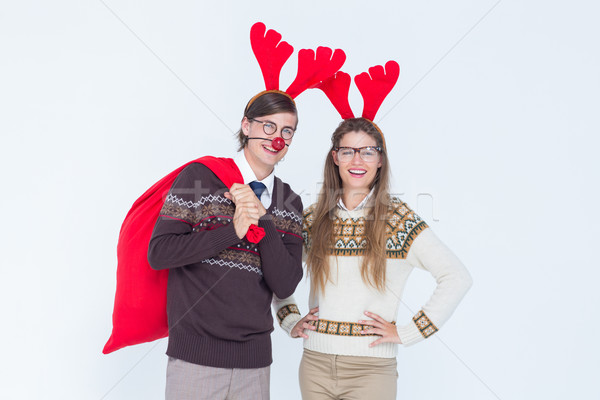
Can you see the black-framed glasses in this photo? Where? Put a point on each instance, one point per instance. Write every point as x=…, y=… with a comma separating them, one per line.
x=271, y=127
x=367, y=153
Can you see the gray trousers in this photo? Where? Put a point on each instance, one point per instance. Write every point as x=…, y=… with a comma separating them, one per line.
x=187, y=381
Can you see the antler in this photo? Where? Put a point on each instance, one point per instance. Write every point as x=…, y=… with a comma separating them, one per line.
x=336, y=88
x=377, y=86
x=314, y=68
x=270, y=52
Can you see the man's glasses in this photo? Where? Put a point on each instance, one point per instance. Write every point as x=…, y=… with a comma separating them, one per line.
x=270, y=128
x=367, y=153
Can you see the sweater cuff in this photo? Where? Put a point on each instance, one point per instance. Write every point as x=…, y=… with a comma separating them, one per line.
x=226, y=237
x=266, y=222
x=288, y=316
x=420, y=329
x=290, y=322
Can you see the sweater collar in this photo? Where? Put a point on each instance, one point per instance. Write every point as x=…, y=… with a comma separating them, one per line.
x=360, y=206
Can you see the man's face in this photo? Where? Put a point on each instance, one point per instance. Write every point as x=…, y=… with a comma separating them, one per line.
x=259, y=151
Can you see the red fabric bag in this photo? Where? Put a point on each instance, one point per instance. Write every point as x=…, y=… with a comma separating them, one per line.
x=140, y=310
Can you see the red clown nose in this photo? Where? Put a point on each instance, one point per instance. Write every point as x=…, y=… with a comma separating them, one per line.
x=278, y=144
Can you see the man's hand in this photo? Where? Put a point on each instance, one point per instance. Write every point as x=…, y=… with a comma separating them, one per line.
x=239, y=193
x=298, y=329
x=248, y=208
x=246, y=214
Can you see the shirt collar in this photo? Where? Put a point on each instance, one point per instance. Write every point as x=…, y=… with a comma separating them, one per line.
x=248, y=175
x=360, y=206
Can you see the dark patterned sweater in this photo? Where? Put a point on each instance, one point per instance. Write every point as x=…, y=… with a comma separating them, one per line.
x=220, y=287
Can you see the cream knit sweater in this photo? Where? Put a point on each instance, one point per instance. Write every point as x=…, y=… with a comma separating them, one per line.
x=410, y=243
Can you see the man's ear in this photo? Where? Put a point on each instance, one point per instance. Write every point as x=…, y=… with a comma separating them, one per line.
x=246, y=126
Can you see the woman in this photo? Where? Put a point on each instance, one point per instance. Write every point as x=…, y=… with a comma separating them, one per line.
x=360, y=246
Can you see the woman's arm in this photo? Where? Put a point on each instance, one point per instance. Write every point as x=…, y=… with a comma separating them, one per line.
x=453, y=281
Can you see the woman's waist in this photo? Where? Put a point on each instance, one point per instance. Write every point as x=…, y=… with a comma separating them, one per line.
x=352, y=311
x=342, y=328
x=348, y=344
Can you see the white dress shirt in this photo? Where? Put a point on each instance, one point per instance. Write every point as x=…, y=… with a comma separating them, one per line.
x=248, y=175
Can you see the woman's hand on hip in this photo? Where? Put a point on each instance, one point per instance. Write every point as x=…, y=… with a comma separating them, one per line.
x=298, y=329
x=381, y=327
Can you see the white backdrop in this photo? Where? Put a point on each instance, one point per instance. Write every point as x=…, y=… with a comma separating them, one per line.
x=494, y=118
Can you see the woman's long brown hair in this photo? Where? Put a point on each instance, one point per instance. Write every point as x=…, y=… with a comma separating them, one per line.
x=322, y=235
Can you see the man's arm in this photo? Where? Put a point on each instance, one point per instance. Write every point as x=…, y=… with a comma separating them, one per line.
x=175, y=242
x=281, y=256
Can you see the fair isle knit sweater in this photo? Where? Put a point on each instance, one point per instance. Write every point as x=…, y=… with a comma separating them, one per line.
x=410, y=243
x=220, y=287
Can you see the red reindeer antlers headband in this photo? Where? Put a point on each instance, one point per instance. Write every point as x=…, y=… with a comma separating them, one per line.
x=272, y=53
x=374, y=86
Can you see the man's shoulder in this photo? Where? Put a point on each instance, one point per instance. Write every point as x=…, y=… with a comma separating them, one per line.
x=195, y=168
x=286, y=190
x=196, y=171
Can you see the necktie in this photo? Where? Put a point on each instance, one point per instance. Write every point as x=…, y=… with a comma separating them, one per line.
x=258, y=188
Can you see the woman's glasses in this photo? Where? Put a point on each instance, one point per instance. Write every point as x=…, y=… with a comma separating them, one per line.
x=367, y=153
x=270, y=128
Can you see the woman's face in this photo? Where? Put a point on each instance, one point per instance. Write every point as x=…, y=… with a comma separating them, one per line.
x=357, y=173
x=259, y=150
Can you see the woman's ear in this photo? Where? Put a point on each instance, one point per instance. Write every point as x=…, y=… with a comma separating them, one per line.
x=335, y=159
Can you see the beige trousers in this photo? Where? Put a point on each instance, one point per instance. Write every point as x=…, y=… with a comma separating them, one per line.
x=332, y=377
x=187, y=381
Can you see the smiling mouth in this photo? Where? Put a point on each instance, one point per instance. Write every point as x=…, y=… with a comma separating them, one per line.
x=270, y=149
x=357, y=172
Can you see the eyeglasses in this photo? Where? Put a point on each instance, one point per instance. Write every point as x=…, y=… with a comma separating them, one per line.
x=270, y=128
x=367, y=153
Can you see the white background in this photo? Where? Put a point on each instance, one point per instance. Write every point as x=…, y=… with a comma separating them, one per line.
x=495, y=116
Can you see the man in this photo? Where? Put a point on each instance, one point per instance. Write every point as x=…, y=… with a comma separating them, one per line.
x=221, y=284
